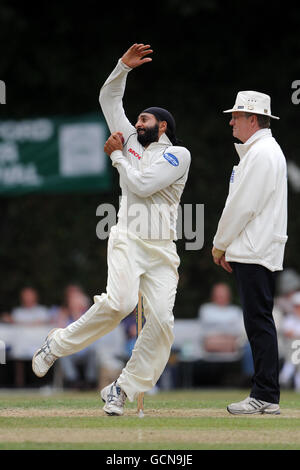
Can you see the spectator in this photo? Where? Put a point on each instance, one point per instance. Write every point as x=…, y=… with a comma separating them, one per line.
x=290, y=373
x=222, y=329
x=75, y=304
x=288, y=283
x=221, y=322
x=30, y=313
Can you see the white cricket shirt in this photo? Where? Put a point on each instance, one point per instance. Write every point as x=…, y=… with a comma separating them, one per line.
x=152, y=179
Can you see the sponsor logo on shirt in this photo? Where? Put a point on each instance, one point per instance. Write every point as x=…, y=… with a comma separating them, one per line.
x=171, y=159
x=232, y=176
x=134, y=153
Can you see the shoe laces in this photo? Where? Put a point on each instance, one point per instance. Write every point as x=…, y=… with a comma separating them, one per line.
x=119, y=397
x=49, y=358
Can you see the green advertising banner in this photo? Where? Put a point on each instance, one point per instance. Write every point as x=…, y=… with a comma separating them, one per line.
x=54, y=155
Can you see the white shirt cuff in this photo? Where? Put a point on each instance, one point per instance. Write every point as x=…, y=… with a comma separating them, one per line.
x=126, y=67
x=116, y=156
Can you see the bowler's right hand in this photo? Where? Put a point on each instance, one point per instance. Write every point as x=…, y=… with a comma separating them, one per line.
x=135, y=56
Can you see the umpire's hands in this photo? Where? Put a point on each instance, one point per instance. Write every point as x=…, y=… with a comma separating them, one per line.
x=135, y=55
x=114, y=142
x=219, y=259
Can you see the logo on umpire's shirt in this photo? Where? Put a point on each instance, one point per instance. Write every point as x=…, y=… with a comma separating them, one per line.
x=171, y=159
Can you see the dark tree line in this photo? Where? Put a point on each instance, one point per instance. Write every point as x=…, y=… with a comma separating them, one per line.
x=55, y=57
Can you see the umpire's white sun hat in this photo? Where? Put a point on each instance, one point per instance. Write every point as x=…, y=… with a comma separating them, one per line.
x=252, y=102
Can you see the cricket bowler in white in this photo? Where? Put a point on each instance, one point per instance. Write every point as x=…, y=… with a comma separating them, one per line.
x=153, y=170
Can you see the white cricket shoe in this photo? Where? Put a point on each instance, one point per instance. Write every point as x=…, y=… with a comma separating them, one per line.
x=43, y=358
x=114, y=399
x=251, y=406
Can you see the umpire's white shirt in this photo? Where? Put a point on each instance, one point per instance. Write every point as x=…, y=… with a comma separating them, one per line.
x=253, y=225
x=152, y=179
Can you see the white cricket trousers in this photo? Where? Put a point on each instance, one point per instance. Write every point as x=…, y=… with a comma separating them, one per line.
x=134, y=265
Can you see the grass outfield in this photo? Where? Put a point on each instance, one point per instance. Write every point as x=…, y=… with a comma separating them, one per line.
x=173, y=420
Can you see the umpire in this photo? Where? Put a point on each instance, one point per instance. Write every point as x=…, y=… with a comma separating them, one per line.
x=250, y=240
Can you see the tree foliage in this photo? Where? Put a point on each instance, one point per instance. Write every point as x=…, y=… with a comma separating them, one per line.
x=56, y=55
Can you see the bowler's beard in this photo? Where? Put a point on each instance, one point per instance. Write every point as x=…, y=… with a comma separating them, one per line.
x=149, y=135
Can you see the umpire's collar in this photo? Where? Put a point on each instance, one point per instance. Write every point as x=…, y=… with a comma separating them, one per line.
x=242, y=149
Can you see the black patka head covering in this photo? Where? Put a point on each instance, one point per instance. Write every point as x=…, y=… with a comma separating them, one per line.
x=163, y=115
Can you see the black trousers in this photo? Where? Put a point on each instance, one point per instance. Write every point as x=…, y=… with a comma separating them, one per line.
x=256, y=286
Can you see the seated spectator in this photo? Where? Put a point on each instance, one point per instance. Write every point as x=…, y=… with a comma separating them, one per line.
x=30, y=313
x=288, y=283
x=222, y=328
x=223, y=334
x=73, y=306
x=77, y=303
x=56, y=312
x=290, y=372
